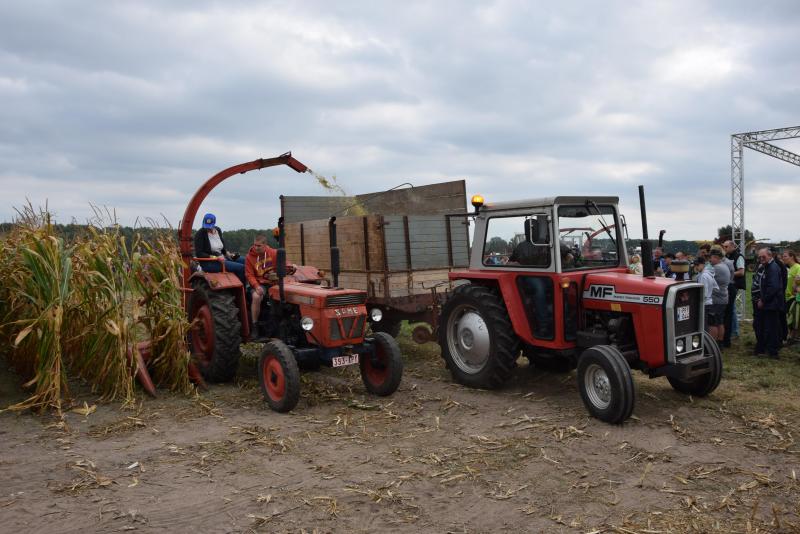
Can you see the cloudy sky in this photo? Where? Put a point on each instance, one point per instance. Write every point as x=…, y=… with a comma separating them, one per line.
x=132, y=105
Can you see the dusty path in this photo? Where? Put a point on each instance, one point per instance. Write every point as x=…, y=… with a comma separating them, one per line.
x=435, y=457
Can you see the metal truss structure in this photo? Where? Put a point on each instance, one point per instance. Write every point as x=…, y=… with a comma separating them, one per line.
x=757, y=141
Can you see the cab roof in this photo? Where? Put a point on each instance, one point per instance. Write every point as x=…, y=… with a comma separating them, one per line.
x=546, y=201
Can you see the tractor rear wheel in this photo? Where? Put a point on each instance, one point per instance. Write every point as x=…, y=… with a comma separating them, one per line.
x=279, y=376
x=476, y=337
x=606, y=384
x=703, y=385
x=382, y=370
x=216, y=333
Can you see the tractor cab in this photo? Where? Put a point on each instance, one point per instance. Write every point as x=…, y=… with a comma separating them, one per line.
x=544, y=269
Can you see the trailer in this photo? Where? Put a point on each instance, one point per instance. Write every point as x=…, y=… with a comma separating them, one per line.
x=397, y=245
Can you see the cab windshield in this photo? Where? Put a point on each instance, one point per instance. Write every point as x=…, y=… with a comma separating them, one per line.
x=588, y=236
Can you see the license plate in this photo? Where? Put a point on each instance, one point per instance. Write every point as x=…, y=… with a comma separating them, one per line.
x=341, y=361
x=683, y=313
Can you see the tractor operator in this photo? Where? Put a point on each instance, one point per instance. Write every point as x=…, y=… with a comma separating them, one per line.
x=260, y=272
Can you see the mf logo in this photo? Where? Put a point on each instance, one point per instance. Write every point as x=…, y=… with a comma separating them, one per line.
x=601, y=292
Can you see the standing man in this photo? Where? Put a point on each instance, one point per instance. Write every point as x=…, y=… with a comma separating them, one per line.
x=767, y=295
x=706, y=277
x=737, y=283
x=719, y=298
x=792, y=294
x=659, y=265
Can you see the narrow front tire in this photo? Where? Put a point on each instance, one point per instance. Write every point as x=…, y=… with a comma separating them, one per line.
x=606, y=384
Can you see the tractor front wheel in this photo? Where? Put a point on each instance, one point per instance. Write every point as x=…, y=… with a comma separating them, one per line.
x=476, y=337
x=606, y=384
x=382, y=370
x=279, y=376
x=703, y=385
x=216, y=333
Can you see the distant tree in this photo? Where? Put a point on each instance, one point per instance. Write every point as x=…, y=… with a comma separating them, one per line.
x=724, y=233
x=497, y=244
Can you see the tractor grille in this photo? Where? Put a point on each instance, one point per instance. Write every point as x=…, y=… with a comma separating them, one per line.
x=347, y=325
x=344, y=300
x=693, y=299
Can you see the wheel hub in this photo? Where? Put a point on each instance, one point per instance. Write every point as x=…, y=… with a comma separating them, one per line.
x=598, y=386
x=469, y=340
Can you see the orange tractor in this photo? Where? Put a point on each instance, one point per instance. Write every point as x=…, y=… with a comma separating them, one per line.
x=308, y=322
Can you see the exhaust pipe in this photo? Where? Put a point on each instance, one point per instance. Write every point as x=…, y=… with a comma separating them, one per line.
x=647, y=250
x=661, y=238
x=281, y=267
x=334, y=251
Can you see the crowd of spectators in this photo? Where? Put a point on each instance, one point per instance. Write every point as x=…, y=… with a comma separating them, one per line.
x=775, y=291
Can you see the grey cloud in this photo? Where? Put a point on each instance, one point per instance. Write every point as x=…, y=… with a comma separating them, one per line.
x=514, y=97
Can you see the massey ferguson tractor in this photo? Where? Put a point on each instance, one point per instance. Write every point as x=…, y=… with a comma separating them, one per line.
x=568, y=301
x=309, y=324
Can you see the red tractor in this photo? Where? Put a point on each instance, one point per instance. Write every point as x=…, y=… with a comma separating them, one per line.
x=309, y=324
x=572, y=303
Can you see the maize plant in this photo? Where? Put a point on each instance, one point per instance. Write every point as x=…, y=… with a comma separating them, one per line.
x=78, y=310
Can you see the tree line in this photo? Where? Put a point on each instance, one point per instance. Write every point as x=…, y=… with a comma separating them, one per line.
x=235, y=240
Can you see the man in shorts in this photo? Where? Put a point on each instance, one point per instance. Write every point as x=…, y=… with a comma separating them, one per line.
x=706, y=277
x=719, y=297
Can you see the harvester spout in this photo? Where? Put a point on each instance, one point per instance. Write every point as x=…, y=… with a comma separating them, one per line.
x=185, y=228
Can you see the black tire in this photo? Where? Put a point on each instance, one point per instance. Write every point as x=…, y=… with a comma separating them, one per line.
x=383, y=371
x=390, y=326
x=606, y=384
x=279, y=376
x=216, y=333
x=485, y=360
x=703, y=385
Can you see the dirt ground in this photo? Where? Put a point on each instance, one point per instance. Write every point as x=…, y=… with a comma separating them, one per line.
x=434, y=457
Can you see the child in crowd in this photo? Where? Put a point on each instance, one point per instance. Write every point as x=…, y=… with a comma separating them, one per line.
x=636, y=265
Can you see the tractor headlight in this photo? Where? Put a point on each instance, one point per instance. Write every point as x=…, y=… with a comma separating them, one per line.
x=695, y=341
x=375, y=314
x=307, y=323
x=680, y=346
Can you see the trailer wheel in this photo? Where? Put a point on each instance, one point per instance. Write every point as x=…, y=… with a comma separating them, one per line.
x=216, y=333
x=390, y=326
x=476, y=337
x=606, y=384
x=383, y=370
x=279, y=376
x=703, y=385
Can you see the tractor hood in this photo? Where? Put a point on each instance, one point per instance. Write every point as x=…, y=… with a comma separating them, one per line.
x=322, y=297
x=623, y=287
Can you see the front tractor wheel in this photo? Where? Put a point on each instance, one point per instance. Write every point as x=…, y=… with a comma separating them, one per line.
x=382, y=370
x=606, y=384
x=279, y=376
x=216, y=333
x=476, y=337
x=703, y=385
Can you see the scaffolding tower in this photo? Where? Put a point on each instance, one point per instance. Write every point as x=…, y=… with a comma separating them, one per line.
x=755, y=141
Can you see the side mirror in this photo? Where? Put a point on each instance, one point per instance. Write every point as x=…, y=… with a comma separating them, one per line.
x=542, y=236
